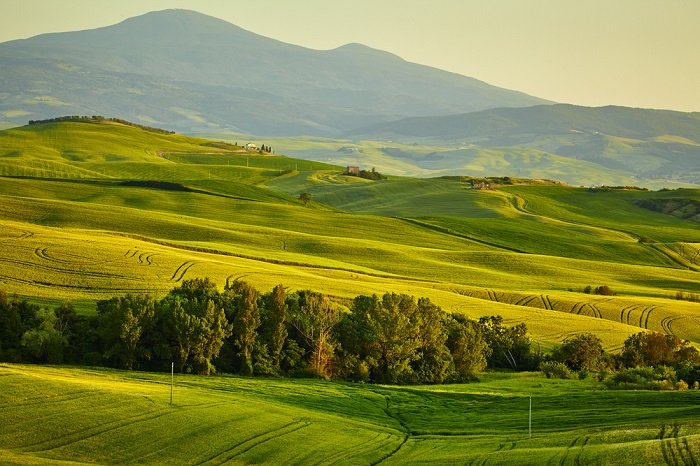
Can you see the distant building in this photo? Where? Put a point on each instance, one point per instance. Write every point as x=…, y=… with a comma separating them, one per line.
x=251, y=146
x=351, y=170
x=482, y=185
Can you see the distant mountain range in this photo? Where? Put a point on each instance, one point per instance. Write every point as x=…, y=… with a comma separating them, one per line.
x=190, y=72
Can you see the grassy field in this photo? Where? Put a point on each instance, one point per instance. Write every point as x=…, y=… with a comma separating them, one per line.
x=94, y=224
x=53, y=415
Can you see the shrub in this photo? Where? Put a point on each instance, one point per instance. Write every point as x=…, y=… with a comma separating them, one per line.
x=604, y=290
x=643, y=378
x=681, y=385
x=687, y=296
x=555, y=369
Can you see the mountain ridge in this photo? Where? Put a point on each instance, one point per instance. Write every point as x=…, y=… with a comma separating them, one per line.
x=194, y=72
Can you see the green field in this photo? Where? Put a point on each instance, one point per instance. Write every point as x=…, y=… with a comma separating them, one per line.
x=53, y=415
x=89, y=211
x=89, y=222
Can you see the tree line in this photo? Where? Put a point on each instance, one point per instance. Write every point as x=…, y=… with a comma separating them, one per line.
x=394, y=338
x=648, y=360
x=99, y=119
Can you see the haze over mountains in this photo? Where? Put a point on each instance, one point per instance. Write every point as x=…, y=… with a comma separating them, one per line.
x=646, y=144
x=192, y=72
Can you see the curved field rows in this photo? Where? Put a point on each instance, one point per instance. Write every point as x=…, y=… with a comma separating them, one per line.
x=680, y=318
x=98, y=265
x=52, y=415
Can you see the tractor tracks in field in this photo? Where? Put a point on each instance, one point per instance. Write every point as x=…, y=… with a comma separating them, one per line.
x=180, y=272
x=256, y=440
x=404, y=428
x=143, y=258
x=675, y=450
x=578, y=442
x=667, y=324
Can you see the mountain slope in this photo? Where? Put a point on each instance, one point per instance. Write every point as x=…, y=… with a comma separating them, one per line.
x=192, y=72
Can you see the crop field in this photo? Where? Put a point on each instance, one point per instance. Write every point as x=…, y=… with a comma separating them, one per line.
x=111, y=209
x=53, y=415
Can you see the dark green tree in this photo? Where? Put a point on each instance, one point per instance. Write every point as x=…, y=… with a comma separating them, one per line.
x=194, y=324
x=277, y=308
x=123, y=321
x=468, y=346
x=305, y=198
x=246, y=323
x=314, y=320
x=434, y=362
x=582, y=352
x=510, y=346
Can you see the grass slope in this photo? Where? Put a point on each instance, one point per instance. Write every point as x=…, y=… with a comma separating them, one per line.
x=53, y=415
x=227, y=213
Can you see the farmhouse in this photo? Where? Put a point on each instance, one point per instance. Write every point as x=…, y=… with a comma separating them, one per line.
x=352, y=170
x=251, y=146
x=483, y=185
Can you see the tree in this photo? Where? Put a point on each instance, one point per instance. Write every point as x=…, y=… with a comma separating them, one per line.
x=122, y=324
x=246, y=323
x=582, y=352
x=384, y=336
x=305, y=198
x=468, y=346
x=44, y=343
x=195, y=324
x=314, y=319
x=655, y=349
x=510, y=346
x=277, y=309
x=434, y=363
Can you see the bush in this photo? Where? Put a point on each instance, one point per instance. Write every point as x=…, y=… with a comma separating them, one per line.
x=681, y=385
x=604, y=290
x=643, y=378
x=555, y=369
x=688, y=296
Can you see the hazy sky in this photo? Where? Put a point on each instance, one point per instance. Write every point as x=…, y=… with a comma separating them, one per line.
x=638, y=53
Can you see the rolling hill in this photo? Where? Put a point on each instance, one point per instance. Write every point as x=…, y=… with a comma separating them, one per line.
x=93, y=209
x=188, y=71
x=648, y=146
x=88, y=416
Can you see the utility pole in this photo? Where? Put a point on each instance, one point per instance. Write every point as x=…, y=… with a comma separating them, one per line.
x=529, y=424
x=172, y=381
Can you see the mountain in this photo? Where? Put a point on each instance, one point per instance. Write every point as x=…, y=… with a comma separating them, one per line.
x=645, y=144
x=191, y=72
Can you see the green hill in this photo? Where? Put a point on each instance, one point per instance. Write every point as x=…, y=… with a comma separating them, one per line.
x=53, y=415
x=136, y=211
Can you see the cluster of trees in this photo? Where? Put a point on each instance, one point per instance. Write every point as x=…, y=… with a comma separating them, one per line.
x=372, y=174
x=603, y=290
x=392, y=338
x=266, y=149
x=100, y=119
x=647, y=360
x=688, y=296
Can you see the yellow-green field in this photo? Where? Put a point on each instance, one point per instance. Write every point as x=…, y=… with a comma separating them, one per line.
x=524, y=252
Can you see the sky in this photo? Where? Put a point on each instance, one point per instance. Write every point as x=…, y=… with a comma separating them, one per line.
x=636, y=53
